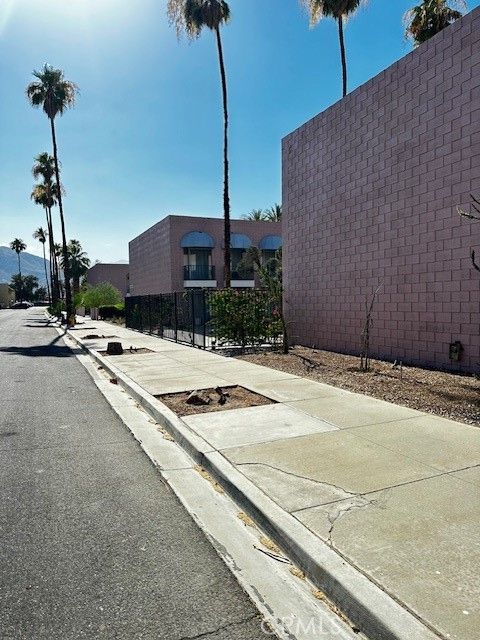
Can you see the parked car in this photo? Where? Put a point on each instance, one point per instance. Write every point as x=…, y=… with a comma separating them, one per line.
x=21, y=305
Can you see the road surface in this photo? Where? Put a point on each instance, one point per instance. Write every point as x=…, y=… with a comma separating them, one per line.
x=92, y=543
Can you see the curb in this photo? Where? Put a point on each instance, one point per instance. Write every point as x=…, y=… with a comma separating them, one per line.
x=377, y=614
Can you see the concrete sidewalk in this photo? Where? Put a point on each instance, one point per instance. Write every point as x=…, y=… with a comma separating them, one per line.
x=393, y=491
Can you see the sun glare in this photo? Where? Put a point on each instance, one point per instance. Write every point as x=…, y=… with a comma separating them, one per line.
x=71, y=12
x=6, y=8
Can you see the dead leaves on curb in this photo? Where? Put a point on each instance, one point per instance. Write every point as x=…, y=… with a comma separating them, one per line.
x=165, y=434
x=298, y=573
x=247, y=521
x=206, y=476
x=319, y=595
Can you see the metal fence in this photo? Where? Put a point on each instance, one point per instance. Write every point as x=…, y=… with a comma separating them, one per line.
x=188, y=317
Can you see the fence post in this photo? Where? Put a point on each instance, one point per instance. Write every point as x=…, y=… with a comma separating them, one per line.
x=175, y=316
x=160, y=306
x=192, y=293
x=204, y=299
x=140, y=307
x=149, y=315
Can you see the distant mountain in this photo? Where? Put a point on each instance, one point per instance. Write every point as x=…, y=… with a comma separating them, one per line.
x=31, y=265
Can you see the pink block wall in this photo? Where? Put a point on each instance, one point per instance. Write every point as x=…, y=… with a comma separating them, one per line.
x=116, y=274
x=150, y=260
x=370, y=189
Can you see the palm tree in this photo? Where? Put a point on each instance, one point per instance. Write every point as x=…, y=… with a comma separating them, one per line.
x=44, y=168
x=54, y=94
x=79, y=263
x=430, y=17
x=41, y=235
x=18, y=246
x=192, y=16
x=256, y=215
x=274, y=214
x=41, y=195
x=45, y=195
x=339, y=10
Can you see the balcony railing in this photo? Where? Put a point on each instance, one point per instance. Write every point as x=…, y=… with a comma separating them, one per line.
x=199, y=272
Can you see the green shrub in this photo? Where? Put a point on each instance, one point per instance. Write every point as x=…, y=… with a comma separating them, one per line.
x=101, y=295
x=244, y=317
x=56, y=309
x=107, y=312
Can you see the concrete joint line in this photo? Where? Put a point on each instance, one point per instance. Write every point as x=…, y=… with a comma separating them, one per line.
x=366, y=604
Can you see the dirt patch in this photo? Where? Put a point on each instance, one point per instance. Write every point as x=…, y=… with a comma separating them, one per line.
x=95, y=336
x=132, y=351
x=444, y=394
x=238, y=398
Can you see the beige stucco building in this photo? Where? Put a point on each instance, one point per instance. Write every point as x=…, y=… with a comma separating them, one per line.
x=7, y=295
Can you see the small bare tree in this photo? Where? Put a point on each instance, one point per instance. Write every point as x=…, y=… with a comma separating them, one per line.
x=365, y=352
x=475, y=204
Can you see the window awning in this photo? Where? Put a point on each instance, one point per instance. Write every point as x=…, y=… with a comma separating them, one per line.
x=198, y=239
x=240, y=241
x=271, y=243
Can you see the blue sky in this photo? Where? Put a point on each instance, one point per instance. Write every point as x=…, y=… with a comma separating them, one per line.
x=144, y=139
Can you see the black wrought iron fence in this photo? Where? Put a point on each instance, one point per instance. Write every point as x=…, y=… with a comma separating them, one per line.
x=208, y=319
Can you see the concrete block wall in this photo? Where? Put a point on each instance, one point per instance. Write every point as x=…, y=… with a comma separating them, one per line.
x=150, y=260
x=370, y=190
x=115, y=273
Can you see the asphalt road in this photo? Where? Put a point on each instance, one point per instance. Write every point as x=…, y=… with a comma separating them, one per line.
x=92, y=543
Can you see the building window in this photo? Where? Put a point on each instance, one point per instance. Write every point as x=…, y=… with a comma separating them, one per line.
x=239, y=243
x=197, y=264
x=197, y=256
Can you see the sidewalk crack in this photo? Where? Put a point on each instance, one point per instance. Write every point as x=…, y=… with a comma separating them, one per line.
x=344, y=494
x=338, y=511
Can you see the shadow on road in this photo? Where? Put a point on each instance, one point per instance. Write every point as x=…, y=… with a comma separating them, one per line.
x=39, y=325
x=41, y=350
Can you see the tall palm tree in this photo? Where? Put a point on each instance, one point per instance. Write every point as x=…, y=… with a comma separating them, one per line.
x=79, y=263
x=191, y=16
x=45, y=194
x=18, y=246
x=430, y=17
x=54, y=94
x=41, y=235
x=274, y=214
x=256, y=215
x=339, y=10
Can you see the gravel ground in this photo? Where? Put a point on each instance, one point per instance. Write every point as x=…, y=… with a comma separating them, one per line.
x=444, y=394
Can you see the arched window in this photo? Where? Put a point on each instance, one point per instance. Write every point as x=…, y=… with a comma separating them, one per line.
x=239, y=243
x=197, y=256
x=270, y=243
x=197, y=239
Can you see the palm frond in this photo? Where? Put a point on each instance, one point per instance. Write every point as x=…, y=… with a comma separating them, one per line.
x=191, y=16
x=51, y=91
x=319, y=9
